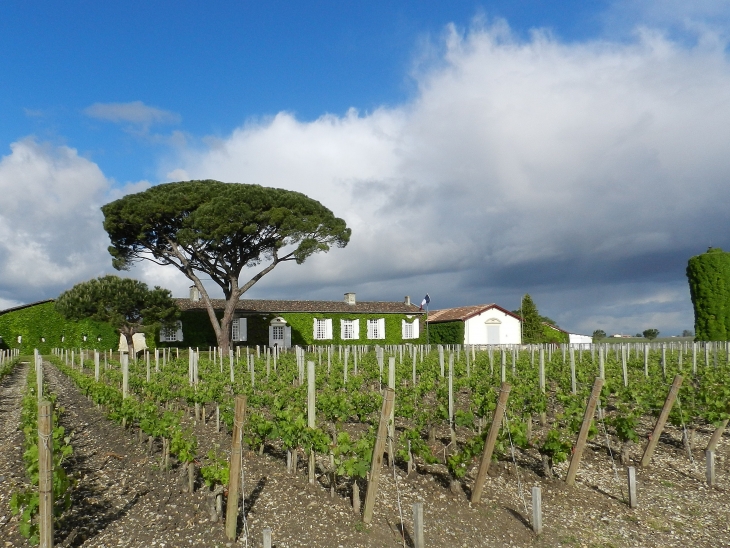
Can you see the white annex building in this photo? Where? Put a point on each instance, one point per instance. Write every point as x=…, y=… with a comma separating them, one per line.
x=483, y=323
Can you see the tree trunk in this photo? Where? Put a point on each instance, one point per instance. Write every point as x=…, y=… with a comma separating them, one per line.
x=128, y=334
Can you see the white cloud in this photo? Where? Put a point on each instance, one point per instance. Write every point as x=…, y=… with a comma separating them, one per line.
x=135, y=112
x=519, y=166
x=51, y=233
x=8, y=303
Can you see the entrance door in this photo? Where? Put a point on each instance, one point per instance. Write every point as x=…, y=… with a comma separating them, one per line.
x=492, y=334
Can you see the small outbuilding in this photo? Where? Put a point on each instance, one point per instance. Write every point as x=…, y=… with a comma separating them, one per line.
x=476, y=324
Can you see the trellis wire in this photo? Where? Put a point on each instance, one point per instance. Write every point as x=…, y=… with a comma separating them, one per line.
x=514, y=461
x=244, y=538
x=397, y=491
x=684, y=430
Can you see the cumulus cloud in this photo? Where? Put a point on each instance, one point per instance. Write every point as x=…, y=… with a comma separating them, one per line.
x=136, y=113
x=49, y=219
x=570, y=171
x=51, y=234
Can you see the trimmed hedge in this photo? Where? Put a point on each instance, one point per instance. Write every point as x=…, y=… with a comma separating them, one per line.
x=35, y=323
x=709, y=286
x=552, y=335
x=447, y=332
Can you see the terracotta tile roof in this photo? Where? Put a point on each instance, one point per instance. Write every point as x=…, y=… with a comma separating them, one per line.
x=274, y=306
x=463, y=313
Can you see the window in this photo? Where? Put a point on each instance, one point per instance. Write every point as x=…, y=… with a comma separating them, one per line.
x=349, y=329
x=410, y=329
x=172, y=334
x=238, y=329
x=277, y=332
x=376, y=329
x=322, y=329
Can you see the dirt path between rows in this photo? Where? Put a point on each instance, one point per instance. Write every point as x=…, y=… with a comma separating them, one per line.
x=12, y=472
x=122, y=498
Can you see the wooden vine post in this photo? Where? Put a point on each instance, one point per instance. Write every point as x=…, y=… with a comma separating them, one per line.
x=716, y=435
x=377, y=462
x=661, y=421
x=234, y=479
x=583, y=434
x=45, y=473
x=476, y=493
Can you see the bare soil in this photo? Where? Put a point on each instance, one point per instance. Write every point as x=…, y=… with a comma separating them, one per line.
x=122, y=498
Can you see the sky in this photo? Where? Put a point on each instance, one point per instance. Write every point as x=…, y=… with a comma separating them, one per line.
x=577, y=151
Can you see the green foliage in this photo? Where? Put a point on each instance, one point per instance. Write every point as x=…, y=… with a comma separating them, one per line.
x=124, y=303
x=555, y=446
x=353, y=457
x=650, y=333
x=625, y=425
x=459, y=461
x=446, y=332
x=532, y=326
x=217, y=229
x=216, y=472
x=184, y=444
x=42, y=321
x=709, y=286
x=598, y=334
x=25, y=502
x=551, y=334
x=197, y=331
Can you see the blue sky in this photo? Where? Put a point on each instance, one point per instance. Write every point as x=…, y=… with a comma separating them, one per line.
x=219, y=64
x=574, y=150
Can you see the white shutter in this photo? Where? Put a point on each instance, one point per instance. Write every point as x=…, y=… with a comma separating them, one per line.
x=163, y=337
x=356, y=329
x=179, y=334
x=242, y=329
x=403, y=329
x=271, y=335
x=314, y=330
x=381, y=328
x=415, y=328
x=328, y=328
x=342, y=329
x=287, y=336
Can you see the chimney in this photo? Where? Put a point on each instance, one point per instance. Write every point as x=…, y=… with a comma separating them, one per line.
x=408, y=300
x=350, y=298
x=194, y=294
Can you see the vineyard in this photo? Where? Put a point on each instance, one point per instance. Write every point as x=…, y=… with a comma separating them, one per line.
x=313, y=415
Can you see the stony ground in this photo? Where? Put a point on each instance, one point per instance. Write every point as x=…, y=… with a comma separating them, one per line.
x=123, y=499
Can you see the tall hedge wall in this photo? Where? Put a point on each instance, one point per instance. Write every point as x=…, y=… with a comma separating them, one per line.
x=709, y=287
x=41, y=321
x=197, y=331
x=552, y=335
x=447, y=332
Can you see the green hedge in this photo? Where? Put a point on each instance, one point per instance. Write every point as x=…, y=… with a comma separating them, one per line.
x=709, y=287
x=446, y=332
x=41, y=321
x=197, y=331
x=552, y=335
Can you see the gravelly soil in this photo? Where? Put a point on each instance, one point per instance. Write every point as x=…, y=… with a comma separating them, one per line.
x=123, y=499
x=12, y=473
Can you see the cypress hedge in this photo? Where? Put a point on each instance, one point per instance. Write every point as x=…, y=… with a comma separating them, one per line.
x=709, y=286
